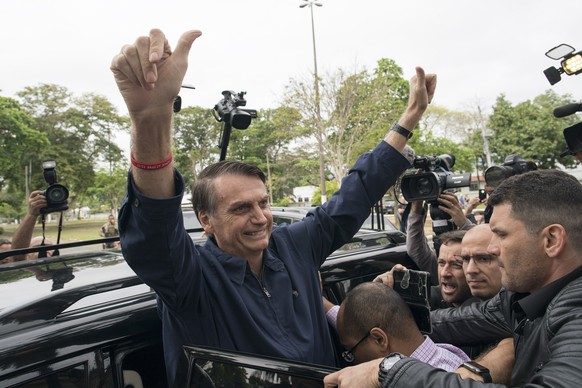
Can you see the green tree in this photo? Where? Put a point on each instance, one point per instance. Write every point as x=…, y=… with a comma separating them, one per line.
x=530, y=130
x=19, y=142
x=330, y=188
x=271, y=137
x=80, y=132
x=109, y=189
x=196, y=137
x=357, y=109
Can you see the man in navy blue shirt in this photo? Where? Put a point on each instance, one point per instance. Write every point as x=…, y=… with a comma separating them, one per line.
x=250, y=287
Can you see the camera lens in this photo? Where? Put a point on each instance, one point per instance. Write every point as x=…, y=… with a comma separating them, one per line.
x=424, y=186
x=56, y=194
x=494, y=175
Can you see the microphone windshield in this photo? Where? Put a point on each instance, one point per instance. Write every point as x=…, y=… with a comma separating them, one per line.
x=567, y=110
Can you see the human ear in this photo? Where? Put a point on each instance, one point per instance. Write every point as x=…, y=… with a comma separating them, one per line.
x=554, y=239
x=206, y=223
x=380, y=339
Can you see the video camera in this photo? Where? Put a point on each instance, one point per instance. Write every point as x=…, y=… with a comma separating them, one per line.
x=437, y=178
x=229, y=110
x=572, y=134
x=56, y=194
x=429, y=185
x=513, y=165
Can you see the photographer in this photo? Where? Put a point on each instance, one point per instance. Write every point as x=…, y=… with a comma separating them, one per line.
x=539, y=246
x=23, y=236
x=416, y=242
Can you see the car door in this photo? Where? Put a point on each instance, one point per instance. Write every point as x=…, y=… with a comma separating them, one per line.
x=210, y=368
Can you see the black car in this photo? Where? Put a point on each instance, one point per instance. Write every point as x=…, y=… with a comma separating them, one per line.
x=86, y=320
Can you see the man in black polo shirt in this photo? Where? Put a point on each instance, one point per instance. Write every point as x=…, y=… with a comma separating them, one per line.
x=538, y=238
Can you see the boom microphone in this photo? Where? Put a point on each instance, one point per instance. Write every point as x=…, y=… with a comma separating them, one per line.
x=567, y=110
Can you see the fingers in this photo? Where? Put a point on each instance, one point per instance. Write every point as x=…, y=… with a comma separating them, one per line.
x=420, y=76
x=156, y=45
x=185, y=43
x=430, y=82
x=388, y=277
x=138, y=64
x=36, y=202
x=331, y=380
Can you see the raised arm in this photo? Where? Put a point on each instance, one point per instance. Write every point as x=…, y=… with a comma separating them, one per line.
x=149, y=75
x=23, y=234
x=422, y=87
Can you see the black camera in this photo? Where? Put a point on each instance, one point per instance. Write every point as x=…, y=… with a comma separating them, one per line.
x=414, y=287
x=513, y=165
x=437, y=178
x=229, y=110
x=56, y=194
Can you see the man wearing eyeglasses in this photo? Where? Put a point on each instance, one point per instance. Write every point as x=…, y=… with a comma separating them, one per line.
x=537, y=236
x=374, y=321
x=481, y=268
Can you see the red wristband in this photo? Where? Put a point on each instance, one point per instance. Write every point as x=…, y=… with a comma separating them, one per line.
x=150, y=166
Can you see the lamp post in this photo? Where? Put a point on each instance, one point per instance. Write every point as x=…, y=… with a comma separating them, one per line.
x=318, y=121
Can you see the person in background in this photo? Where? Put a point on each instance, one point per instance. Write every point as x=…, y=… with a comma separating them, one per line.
x=5, y=245
x=416, y=242
x=250, y=287
x=22, y=237
x=539, y=246
x=481, y=268
x=109, y=229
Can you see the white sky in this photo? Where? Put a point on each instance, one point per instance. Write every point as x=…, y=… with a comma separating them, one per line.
x=478, y=49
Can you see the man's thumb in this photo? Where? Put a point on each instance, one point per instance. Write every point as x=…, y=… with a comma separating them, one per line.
x=185, y=42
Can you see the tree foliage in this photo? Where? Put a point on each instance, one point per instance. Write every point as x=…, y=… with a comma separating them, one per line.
x=530, y=130
x=79, y=133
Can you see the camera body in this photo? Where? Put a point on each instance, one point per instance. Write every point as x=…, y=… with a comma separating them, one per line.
x=229, y=110
x=56, y=194
x=414, y=287
x=436, y=178
x=513, y=165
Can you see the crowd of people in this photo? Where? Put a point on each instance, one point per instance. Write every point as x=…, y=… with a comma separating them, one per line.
x=507, y=282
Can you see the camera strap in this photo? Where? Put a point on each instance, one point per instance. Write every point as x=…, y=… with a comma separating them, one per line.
x=43, y=253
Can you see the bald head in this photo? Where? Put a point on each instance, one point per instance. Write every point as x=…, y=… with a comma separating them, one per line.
x=482, y=269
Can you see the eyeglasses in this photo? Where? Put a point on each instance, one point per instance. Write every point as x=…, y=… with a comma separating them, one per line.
x=478, y=259
x=348, y=355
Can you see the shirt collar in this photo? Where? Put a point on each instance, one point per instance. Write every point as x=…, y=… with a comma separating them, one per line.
x=535, y=304
x=236, y=267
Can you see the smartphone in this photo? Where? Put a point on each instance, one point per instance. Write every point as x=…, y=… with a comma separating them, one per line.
x=414, y=287
x=482, y=195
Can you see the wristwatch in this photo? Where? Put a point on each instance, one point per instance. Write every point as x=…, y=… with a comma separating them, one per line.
x=386, y=364
x=401, y=130
x=478, y=369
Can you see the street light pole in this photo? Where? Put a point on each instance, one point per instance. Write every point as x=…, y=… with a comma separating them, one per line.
x=318, y=121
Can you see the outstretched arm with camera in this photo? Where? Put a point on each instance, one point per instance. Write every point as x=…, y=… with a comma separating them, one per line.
x=23, y=234
x=149, y=75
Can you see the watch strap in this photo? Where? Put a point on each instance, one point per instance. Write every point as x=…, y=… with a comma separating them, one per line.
x=389, y=360
x=401, y=130
x=479, y=370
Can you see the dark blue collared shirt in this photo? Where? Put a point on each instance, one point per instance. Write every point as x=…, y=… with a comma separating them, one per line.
x=208, y=297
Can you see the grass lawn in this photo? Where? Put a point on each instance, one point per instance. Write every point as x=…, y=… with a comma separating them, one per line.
x=76, y=230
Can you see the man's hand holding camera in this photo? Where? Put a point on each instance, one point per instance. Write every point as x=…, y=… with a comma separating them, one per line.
x=36, y=202
x=449, y=203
